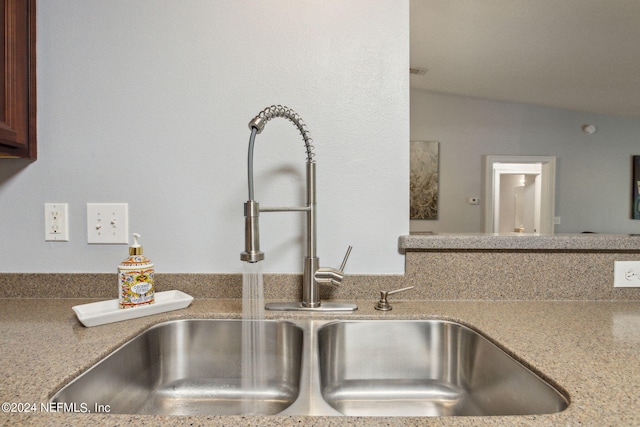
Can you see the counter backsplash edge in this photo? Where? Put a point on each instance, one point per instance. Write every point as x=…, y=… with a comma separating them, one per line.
x=448, y=275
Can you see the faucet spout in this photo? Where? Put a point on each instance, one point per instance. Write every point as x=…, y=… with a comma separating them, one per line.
x=252, y=251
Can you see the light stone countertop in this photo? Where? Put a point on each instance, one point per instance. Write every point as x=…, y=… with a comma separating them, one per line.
x=591, y=349
x=520, y=241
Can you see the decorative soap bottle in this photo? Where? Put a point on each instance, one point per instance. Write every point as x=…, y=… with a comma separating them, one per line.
x=135, y=278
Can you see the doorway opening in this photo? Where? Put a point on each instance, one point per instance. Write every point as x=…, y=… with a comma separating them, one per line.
x=519, y=194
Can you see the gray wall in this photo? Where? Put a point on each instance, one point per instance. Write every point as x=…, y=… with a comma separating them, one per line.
x=147, y=102
x=593, y=176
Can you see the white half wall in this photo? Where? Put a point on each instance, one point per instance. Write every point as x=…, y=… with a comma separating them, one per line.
x=147, y=103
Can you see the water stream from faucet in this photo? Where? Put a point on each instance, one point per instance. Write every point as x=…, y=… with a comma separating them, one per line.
x=253, y=339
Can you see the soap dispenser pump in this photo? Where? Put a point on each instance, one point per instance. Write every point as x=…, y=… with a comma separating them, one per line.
x=135, y=278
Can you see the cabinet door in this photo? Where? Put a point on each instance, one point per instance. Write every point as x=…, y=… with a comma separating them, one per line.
x=18, y=79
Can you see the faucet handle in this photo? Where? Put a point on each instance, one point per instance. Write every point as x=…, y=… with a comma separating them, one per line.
x=331, y=275
x=383, y=304
x=346, y=257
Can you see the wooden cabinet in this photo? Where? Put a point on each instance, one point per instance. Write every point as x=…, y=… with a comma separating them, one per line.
x=18, y=79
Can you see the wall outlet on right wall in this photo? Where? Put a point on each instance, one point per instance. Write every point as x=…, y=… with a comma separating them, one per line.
x=626, y=274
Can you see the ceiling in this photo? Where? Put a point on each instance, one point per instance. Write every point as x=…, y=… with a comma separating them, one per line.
x=581, y=55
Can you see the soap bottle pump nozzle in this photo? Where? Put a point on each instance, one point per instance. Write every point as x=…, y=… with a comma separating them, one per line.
x=135, y=249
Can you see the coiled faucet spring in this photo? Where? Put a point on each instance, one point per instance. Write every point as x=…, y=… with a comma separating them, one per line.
x=269, y=113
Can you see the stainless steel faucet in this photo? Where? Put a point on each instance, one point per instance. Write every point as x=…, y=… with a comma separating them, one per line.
x=312, y=275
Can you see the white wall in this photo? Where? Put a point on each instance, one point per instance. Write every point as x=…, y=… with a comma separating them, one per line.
x=593, y=172
x=147, y=103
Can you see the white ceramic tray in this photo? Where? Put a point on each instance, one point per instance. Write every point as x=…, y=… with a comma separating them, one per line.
x=99, y=313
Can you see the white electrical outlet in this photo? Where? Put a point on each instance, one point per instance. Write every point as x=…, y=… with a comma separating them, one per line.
x=626, y=274
x=56, y=222
x=107, y=223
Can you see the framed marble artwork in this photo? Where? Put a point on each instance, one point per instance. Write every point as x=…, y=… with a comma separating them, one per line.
x=423, y=180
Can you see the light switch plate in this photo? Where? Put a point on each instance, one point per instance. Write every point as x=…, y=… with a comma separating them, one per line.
x=107, y=223
x=626, y=274
x=56, y=222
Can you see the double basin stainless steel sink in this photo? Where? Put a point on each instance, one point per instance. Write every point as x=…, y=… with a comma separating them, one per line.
x=313, y=367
